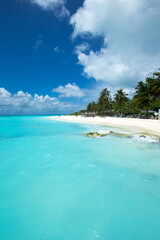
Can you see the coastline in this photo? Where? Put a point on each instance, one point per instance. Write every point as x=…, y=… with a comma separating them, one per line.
x=137, y=126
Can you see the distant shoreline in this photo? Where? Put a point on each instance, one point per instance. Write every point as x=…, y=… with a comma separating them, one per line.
x=135, y=125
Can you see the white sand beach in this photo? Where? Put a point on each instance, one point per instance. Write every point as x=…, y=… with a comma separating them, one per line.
x=145, y=126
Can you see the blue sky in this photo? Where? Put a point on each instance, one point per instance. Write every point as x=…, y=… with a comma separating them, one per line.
x=56, y=55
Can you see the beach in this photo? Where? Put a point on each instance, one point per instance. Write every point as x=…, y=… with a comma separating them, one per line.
x=135, y=125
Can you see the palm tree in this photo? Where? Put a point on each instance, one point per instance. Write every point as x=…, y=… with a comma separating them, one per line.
x=120, y=97
x=130, y=108
x=157, y=74
x=154, y=84
x=104, y=102
x=143, y=96
x=91, y=107
x=154, y=88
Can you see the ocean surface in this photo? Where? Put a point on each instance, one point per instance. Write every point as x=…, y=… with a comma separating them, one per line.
x=58, y=184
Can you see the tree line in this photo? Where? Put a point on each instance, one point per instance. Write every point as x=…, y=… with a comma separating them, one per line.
x=145, y=99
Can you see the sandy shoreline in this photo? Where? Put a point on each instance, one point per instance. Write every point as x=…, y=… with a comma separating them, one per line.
x=146, y=126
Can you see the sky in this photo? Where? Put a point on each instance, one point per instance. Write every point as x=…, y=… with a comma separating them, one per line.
x=57, y=55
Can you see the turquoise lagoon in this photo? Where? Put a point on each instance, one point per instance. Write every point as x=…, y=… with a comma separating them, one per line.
x=57, y=184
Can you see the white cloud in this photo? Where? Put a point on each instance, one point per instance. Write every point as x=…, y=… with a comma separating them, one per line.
x=56, y=49
x=4, y=93
x=81, y=47
x=58, y=6
x=69, y=90
x=131, y=34
x=25, y=103
x=38, y=43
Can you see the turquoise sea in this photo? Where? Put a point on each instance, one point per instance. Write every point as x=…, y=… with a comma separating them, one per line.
x=57, y=184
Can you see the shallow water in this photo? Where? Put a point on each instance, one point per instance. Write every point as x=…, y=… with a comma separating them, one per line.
x=57, y=184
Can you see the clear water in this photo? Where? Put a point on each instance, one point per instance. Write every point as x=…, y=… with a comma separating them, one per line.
x=57, y=184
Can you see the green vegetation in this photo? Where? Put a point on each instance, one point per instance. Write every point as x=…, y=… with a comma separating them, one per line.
x=145, y=100
x=104, y=102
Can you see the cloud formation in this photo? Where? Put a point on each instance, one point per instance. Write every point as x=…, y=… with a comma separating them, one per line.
x=82, y=47
x=130, y=29
x=38, y=44
x=25, y=103
x=69, y=90
x=57, y=6
x=56, y=49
